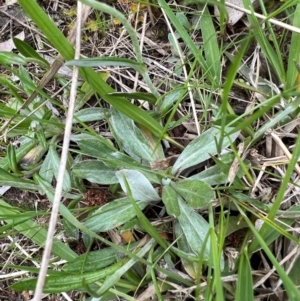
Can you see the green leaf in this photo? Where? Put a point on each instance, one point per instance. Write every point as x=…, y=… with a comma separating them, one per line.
x=86, y=91
x=176, y=50
x=95, y=172
x=107, y=61
x=55, y=161
x=234, y=121
x=119, y=289
x=112, y=215
x=133, y=140
x=89, y=114
x=7, y=58
x=46, y=170
x=211, y=48
x=263, y=86
x=212, y=176
x=40, y=134
x=191, y=267
x=138, y=257
x=196, y=193
x=200, y=149
x=65, y=212
x=27, y=85
x=181, y=17
x=294, y=273
x=112, y=158
x=116, y=276
x=144, y=222
x=12, y=158
x=140, y=187
x=195, y=229
x=217, y=174
x=95, y=260
x=7, y=179
x=233, y=224
x=27, y=51
x=170, y=199
x=137, y=95
x=92, y=261
x=93, y=145
x=294, y=54
x=121, y=104
x=70, y=232
x=171, y=97
x=67, y=282
x=244, y=283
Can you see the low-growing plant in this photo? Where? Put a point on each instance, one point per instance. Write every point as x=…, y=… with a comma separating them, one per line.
x=176, y=213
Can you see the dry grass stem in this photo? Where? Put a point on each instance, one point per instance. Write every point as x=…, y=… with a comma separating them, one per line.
x=63, y=162
x=259, y=16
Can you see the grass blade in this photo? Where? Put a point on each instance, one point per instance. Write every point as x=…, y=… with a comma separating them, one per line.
x=245, y=283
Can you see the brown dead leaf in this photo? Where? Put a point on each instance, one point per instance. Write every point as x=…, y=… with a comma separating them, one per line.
x=9, y=44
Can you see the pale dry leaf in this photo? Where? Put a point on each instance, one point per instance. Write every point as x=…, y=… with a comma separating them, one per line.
x=10, y=2
x=235, y=164
x=147, y=293
x=233, y=15
x=9, y=44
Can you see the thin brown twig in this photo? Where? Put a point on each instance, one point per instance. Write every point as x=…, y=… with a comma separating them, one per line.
x=63, y=163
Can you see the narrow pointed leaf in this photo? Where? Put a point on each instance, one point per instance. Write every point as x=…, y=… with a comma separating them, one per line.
x=245, y=282
x=94, y=260
x=7, y=179
x=26, y=50
x=67, y=282
x=95, y=172
x=211, y=49
x=46, y=170
x=170, y=199
x=55, y=160
x=133, y=140
x=200, y=149
x=89, y=114
x=195, y=229
x=137, y=95
x=112, y=215
x=190, y=266
x=107, y=61
x=7, y=58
